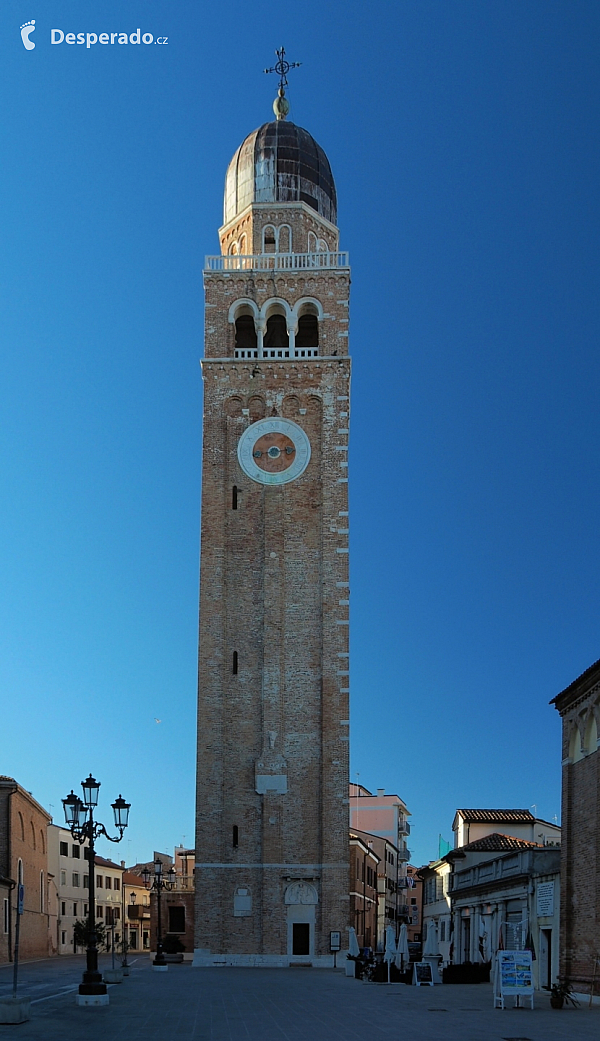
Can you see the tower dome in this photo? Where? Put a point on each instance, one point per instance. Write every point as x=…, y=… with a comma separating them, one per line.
x=280, y=162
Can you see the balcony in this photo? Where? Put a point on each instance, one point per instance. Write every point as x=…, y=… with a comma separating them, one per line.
x=138, y=911
x=404, y=854
x=403, y=828
x=279, y=262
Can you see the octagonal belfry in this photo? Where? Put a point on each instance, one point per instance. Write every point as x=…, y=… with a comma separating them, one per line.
x=273, y=726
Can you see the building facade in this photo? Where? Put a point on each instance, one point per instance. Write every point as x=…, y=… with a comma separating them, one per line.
x=68, y=866
x=272, y=863
x=382, y=815
x=23, y=861
x=579, y=708
x=108, y=896
x=364, y=886
x=508, y=901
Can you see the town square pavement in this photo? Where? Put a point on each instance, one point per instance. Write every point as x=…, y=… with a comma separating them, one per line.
x=300, y=1004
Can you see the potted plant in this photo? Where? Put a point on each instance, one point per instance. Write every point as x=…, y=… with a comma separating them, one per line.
x=561, y=993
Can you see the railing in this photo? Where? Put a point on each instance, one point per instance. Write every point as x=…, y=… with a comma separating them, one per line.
x=404, y=828
x=278, y=262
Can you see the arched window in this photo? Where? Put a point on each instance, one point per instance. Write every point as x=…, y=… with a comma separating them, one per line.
x=276, y=337
x=245, y=332
x=284, y=244
x=268, y=237
x=42, y=891
x=32, y=834
x=22, y=826
x=243, y=248
x=42, y=841
x=308, y=331
x=312, y=242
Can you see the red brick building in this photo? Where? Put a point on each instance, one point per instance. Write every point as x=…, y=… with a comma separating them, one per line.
x=272, y=800
x=23, y=859
x=579, y=707
x=364, y=865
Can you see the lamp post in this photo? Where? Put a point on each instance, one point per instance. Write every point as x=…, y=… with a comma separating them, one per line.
x=159, y=883
x=79, y=816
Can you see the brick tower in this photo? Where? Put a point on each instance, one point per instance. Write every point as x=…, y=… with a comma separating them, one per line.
x=272, y=781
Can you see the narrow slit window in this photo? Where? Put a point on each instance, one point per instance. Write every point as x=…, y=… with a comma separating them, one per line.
x=235, y=836
x=234, y=664
x=234, y=495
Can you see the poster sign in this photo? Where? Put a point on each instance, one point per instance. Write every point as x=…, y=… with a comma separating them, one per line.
x=545, y=899
x=515, y=972
x=335, y=941
x=423, y=976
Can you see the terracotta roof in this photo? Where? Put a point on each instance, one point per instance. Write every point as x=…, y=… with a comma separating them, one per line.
x=129, y=879
x=485, y=816
x=496, y=843
x=107, y=863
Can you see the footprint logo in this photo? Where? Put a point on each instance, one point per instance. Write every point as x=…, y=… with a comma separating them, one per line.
x=26, y=31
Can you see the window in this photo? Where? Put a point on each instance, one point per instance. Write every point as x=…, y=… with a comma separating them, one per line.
x=235, y=836
x=85, y=910
x=99, y=911
x=234, y=497
x=42, y=891
x=116, y=883
x=63, y=908
x=63, y=878
x=110, y=917
x=176, y=919
x=86, y=852
x=245, y=333
x=116, y=912
x=108, y=882
x=64, y=849
x=75, y=852
x=75, y=879
x=86, y=881
x=75, y=909
x=276, y=334
x=5, y=915
x=63, y=937
x=99, y=882
x=308, y=331
x=443, y=929
x=234, y=664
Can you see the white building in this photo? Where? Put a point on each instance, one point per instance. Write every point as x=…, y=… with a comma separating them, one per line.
x=68, y=868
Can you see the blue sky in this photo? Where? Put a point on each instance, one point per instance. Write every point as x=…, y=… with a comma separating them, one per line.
x=463, y=137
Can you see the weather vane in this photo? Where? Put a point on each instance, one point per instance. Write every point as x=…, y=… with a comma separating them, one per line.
x=281, y=105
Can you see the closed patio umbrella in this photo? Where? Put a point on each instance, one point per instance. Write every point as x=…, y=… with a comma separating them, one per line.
x=390, y=947
x=402, y=951
x=353, y=947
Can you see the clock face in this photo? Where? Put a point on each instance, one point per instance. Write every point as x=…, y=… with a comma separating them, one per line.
x=274, y=451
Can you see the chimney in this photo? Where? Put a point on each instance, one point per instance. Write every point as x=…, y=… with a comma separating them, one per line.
x=381, y=791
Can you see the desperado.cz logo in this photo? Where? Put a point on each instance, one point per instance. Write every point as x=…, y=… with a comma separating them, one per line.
x=88, y=40
x=57, y=36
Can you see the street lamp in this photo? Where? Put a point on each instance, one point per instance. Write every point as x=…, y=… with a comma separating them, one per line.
x=159, y=883
x=79, y=817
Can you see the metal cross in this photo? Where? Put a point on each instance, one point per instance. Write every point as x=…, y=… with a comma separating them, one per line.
x=282, y=67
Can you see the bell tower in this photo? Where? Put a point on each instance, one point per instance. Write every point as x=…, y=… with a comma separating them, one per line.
x=273, y=729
